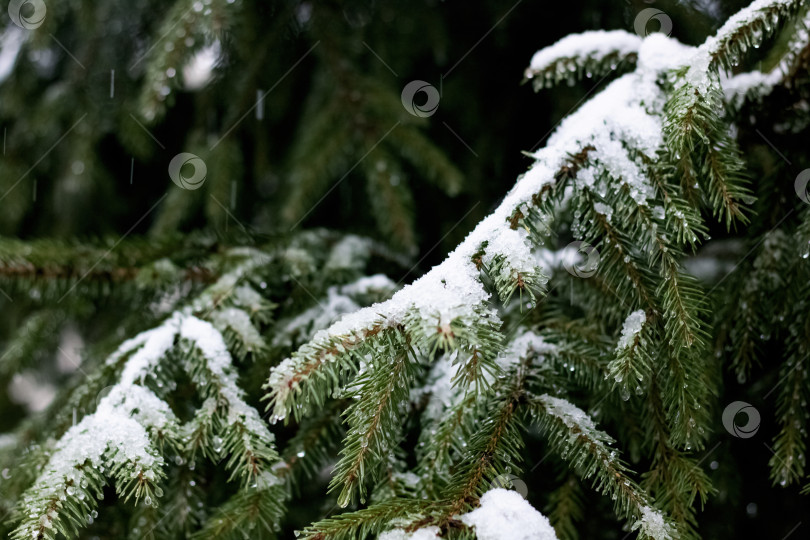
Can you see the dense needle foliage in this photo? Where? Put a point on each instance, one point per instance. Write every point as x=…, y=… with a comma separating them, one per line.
x=255, y=357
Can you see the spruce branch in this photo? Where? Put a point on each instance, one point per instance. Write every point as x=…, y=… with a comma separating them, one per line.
x=57, y=267
x=40, y=328
x=632, y=364
x=566, y=508
x=238, y=430
x=431, y=163
x=377, y=393
x=616, y=254
x=256, y=510
x=493, y=443
x=747, y=28
x=462, y=289
x=125, y=437
x=675, y=479
x=572, y=434
x=788, y=462
x=589, y=54
x=696, y=137
x=763, y=278
x=314, y=444
x=391, y=202
x=188, y=26
x=789, y=446
x=684, y=218
x=131, y=420
x=444, y=442
x=361, y=523
x=578, y=350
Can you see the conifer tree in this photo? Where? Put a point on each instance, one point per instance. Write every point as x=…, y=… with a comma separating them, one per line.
x=264, y=384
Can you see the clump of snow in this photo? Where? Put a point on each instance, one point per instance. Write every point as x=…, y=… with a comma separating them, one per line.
x=605, y=210
x=267, y=479
x=153, y=345
x=199, y=70
x=505, y=515
x=527, y=342
x=340, y=300
x=659, y=53
x=653, y=524
x=407, y=479
x=107, y=431
x=321, y=315
x=378, y=283
x=239, y=322
x=699, y=74
x=247, y=298
x=630, y=329
x=27, y=389
x=515, y=248
x=428, y=533
x=708, y=269
x=571, y=415
x=522, y=346
x=7, y=440
x=715, y=259
x=575, y=419
x=439, y=386
x=141, y=404
x=128, y=346
x=11, y=42
x=69, y=357
x=594, y=44
x=350, y=252
x=740, y=87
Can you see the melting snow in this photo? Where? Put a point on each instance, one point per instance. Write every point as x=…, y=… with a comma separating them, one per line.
x=630, y=329
x=653, y=524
